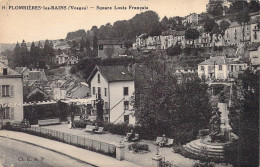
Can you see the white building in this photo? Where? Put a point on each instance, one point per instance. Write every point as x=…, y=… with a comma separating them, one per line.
x=254, y=54
x=116, y=87
x=220, y=67
x=11, y=95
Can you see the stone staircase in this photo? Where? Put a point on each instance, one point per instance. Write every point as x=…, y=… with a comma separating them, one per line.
x=215, y=150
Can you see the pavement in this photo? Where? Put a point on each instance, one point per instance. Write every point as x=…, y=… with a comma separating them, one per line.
x=79, y=154
x=19, y=154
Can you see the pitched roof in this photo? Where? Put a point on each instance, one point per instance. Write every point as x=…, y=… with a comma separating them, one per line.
x=219, y=60
x=20, y=69
x=110, y=42
x=37, y=75
x=10, y=72
x=112, y=73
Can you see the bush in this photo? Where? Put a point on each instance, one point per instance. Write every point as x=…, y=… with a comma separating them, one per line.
x=136, y=147
x=81, y=123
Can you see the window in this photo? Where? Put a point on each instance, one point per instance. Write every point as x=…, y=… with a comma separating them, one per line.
x=5, y=90
x=99, y=90
x=94, y=90
x=240, y=68
x=4, y=71
x=220, y=67
x=6, y=113
x=100, y=47
x=126, y=105
x=98, y=76
x=126, y=119
x=202, y=68
x=232, y=68
x=125, y=91
x=105, y=91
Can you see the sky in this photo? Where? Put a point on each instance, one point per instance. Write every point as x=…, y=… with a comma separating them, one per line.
x=34, y=25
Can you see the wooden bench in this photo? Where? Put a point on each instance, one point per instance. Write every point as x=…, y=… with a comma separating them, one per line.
x=89, y=128
x=168, y=143
x=158, y=140
x=135, y=139
x=48, y=121
x=100, y=130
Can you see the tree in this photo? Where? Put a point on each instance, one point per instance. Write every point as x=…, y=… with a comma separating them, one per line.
x=243, y=18
x=215, y=8
x=245, y=117
x=128, y=44
x=237, y=6
x=192, y=34
x=100, y=111
x=95, y=43
x=209, y=26
x=174, y=50
x=254, y=6
x=223, y=26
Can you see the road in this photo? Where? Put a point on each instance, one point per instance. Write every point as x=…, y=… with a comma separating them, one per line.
x=18, y=154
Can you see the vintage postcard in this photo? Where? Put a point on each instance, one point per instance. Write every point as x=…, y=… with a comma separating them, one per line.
x=128, y=83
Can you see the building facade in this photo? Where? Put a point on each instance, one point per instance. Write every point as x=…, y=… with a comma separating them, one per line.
x=116, y=87
x=11, y=95
x=220, y=67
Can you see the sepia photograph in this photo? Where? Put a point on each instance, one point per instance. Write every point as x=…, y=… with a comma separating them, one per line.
x=129, y=83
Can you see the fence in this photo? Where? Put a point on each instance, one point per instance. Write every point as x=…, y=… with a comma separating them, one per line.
x=89, y=144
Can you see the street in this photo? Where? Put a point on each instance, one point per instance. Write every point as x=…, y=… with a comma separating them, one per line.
x=14, y=153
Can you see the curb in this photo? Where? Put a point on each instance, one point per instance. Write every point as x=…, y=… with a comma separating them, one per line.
x=81, y=161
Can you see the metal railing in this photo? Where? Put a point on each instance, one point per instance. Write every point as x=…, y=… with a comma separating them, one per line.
x=89, y=144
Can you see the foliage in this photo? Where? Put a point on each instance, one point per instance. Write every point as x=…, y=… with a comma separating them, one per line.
x=244, y=119
x=223, y=26
x=177, y=110
x=192, y=34
x=81, y=123
x=38, y=96
x=254, y=6
x=237, y=6
x=174, y=50
x=136, y=147
x=215, y=8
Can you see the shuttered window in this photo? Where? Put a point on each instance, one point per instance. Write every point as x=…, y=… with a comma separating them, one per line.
x=6, y=113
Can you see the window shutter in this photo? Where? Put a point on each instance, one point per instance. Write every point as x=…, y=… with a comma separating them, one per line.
x=12, y=114
x=12, y=91
x=0, y=91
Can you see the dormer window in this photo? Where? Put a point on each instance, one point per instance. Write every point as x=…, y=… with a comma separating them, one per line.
x=4, y=71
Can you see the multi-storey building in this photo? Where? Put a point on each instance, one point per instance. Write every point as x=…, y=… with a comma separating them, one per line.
x=110, y=48
x=11, y=95
x=115, y=86
x=220, y=67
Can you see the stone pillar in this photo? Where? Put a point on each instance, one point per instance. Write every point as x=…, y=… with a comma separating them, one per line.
x=157, y=159
x=120, y=151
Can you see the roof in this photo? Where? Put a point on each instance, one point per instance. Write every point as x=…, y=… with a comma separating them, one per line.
x=110, y=42
x=37, y=75
x=20, y=69
x=180, y=33
x=112, y=73
x=254, y=46
x=219, y=60
x=10, y=72
x=234, y=24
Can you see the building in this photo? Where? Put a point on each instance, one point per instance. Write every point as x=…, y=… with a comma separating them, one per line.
x=24, y=71
x=37, y=75
x=110, y=48
x=235, y=34
x=192, y=19
x=4, y=59
x=254, y=54
x=11, y=95
x=116, y=87
x=62, y=59
x=255, y=29
x=78, y=91
x=220, y=67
